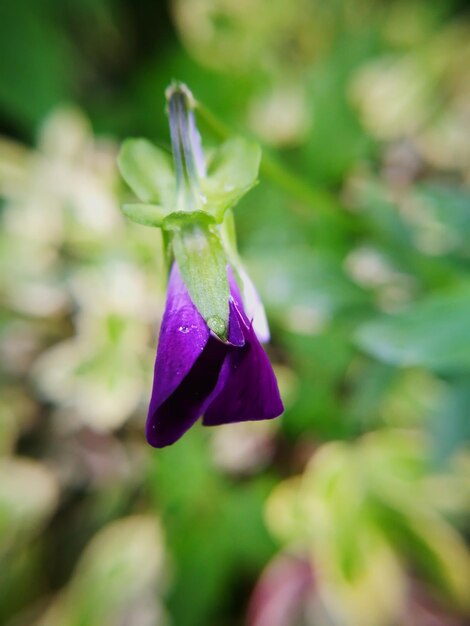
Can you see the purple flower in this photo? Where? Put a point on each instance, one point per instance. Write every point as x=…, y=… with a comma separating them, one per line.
x=198, y=374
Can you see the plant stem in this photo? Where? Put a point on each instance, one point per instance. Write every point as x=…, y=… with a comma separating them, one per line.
x=321, y=200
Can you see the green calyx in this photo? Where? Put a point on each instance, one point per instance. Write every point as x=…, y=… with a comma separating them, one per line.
x=232, y=171
x=201, y=258
x=191, y=182
x=189, y=197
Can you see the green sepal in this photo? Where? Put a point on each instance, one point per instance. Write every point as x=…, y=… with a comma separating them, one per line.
x=201, y=258
x=148, y=171
x=146, y=214
x=232, y=171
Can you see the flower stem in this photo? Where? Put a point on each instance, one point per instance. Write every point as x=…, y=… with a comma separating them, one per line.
x=276, y=172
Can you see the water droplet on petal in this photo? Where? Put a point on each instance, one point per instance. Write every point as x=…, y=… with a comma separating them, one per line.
x=184, y=329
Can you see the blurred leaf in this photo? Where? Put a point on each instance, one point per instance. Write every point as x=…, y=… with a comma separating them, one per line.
x=10, y=424
x=443, y=218
x=284, y=512
x=370, y=383
x=394, y=236
x=325, y=512
x=22, y=578
x=100, y=383
x=358, y=510
x=449, y=204
x=119, y=567
x=411, y=398
x=438, y=551
x=449, y=426
x=365, y=575
x=203, y=514
x=382, y=215
x=433, y=333
x=29, y=494
x=35, y=58
x=296, y=278
x=336, y=140
x=321, y=363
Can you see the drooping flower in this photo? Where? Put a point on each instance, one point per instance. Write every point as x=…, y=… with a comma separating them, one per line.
x=209, y=361
x=198, y=374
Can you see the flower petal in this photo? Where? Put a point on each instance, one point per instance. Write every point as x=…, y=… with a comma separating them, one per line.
x=183, y=336
x=168, y=421
x=195, y=372
x=254, y=308
x=236, y=336
x=247, y=387
x=176, y=397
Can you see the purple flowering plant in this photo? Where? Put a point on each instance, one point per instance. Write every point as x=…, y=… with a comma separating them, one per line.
x=210, y=361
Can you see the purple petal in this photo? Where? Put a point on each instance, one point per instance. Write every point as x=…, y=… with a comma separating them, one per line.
x=247, y=387
x=178, y=397
x=250, y=303
x=195, y=372
x=183, y=336
x=236, y=336
x=196, y=145
x=254, y=308
x=168, y=421
x=234, y=288
x=187, y=368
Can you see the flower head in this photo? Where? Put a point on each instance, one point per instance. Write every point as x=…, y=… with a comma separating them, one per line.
x=198, y=374
x=209, y=360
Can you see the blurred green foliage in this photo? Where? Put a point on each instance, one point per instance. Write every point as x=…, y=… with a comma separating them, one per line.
x=357, y=239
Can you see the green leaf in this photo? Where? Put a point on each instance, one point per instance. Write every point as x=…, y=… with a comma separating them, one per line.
x=433, y=333
x=308, y=280
x=448, y=204
x=448, y=425
x=44, y=62
x=232, y=171
x=202, y=512
x=148, y=171
x=438, y=551
x=201, y=258
x=29, y=494
x=146, y=214
x=445, y=217
x=121, y=562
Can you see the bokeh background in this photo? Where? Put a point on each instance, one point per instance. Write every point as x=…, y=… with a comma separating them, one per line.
x=353, y=509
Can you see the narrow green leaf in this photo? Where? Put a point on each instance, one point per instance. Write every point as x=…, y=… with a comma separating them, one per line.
x=433, y=333
x=148, y=171
x=146, y=214
x=201, y=258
